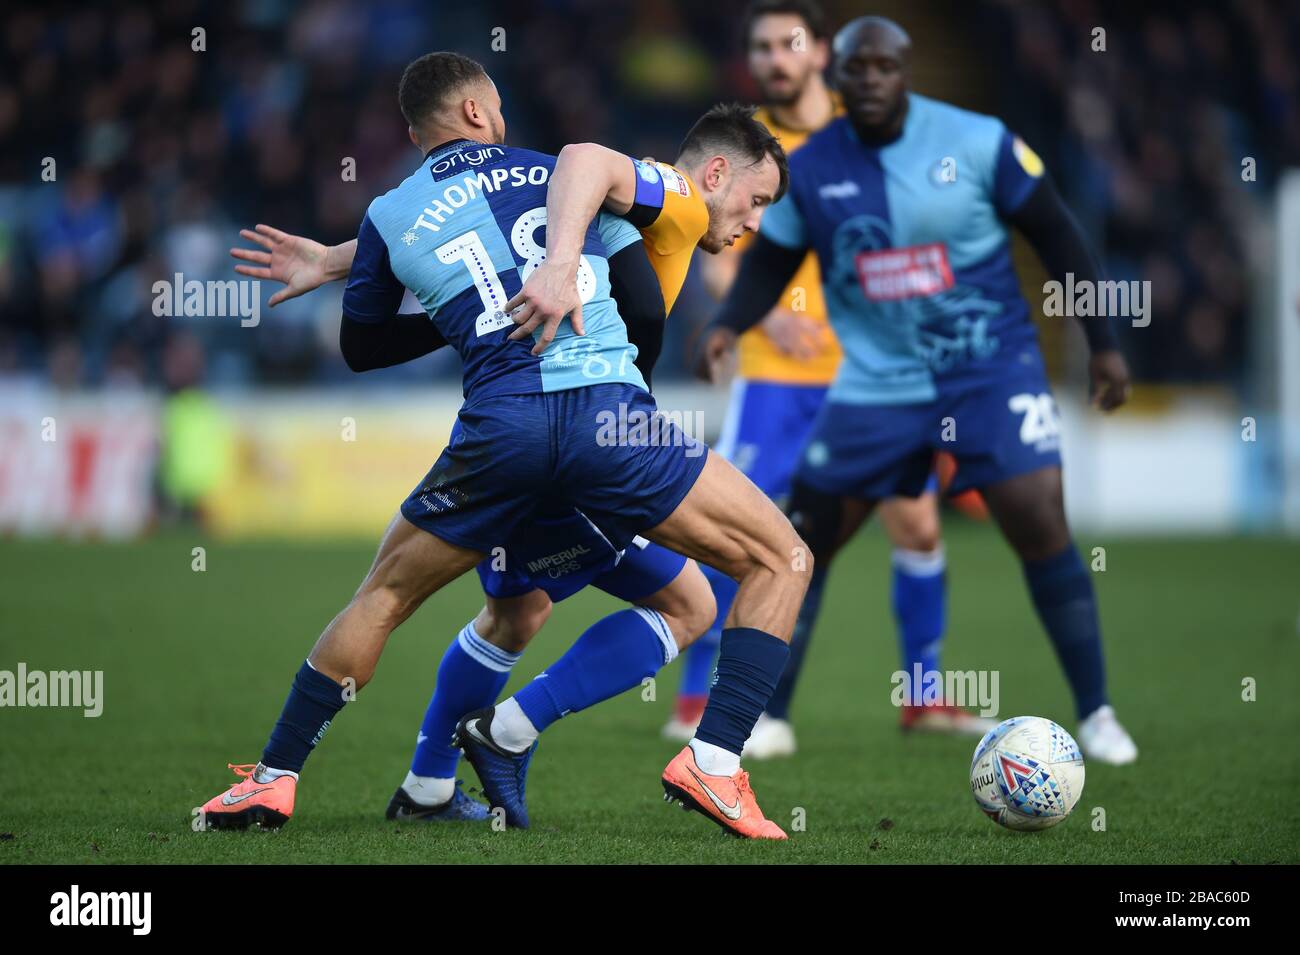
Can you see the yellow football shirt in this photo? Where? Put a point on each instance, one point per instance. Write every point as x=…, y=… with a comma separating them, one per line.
x=759, y=358
x=680, y=221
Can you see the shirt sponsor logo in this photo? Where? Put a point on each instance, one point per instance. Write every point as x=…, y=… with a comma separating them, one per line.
x=913, y=272
x=674, y=180
x=561, y=562
x=460, y=159
x=839, y=190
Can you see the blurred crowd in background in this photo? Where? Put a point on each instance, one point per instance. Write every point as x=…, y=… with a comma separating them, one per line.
x=162, y=152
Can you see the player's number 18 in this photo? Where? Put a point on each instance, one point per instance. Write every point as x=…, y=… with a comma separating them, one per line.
x=470, y=250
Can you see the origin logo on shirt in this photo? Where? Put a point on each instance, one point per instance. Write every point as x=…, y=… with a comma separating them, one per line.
x=913, y=272
x=464, y=158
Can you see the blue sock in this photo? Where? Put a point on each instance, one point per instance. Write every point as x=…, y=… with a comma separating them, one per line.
x=919, y=607
x=314, y=700
x=1062, y=592
x=612, y=655
x=471, y=676
x=778, y=707
x=697, y=668
x=749, y=664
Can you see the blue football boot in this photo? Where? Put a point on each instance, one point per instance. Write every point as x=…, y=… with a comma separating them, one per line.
x=503, y=774
x=459, y=808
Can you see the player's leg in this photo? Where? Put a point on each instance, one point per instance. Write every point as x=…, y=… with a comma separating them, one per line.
x=468, y=500
x=917, y=584
x=698, y=505
x=918, y=598
x=766, y=425
x=826, y=521
x=856, y=456
x=613, y=655
x=1009, y=450
x=672, y=606
x=473, y=672
x=728, y=522
x=1030, y=510
x=411, y=564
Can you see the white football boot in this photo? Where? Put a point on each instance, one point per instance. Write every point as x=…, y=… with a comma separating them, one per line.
x=771, y=738
x=1103, y=739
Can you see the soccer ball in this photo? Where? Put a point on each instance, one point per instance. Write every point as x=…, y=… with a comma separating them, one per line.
x=1027, y=773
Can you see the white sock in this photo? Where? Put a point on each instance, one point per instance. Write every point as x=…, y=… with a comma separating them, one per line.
x=715, y=760
x=429, y=790
x=264, y=774
x=511, y=727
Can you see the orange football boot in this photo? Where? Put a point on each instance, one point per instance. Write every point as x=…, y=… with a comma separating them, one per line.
x=727, y=800
x=265, y=804
x=970, y=502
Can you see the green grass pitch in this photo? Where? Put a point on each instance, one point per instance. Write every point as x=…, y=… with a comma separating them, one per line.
x=196, y=666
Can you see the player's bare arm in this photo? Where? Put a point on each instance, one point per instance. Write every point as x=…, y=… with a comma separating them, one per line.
x=302, y=264
x=587, y=176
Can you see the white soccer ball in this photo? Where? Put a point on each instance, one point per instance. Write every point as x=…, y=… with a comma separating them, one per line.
x=1027, y=773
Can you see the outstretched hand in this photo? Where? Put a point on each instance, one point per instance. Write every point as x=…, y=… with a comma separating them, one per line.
x=296, y=261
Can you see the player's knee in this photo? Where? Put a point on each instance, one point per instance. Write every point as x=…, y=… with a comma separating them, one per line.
x=815, y=523
x=1049, y=531
x=388, y=605
x=919, y=532
x=792, y=561
x=512, y=628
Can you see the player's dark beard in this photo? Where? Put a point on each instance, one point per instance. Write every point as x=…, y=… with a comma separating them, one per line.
x=774, y=98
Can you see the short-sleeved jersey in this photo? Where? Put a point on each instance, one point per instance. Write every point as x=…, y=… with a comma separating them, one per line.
x=463, y=232
x=759, y=358
x=915, y=257
x=672, y=217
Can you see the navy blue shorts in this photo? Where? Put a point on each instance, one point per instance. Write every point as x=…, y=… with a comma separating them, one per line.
x=602, y=449
x=995, y=431
x=561, y=555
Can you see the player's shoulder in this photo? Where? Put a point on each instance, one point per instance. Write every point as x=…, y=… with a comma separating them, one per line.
x=522, y=154
x=948, y=119
x=821, y=140
x=821, y=148
x=395, y=203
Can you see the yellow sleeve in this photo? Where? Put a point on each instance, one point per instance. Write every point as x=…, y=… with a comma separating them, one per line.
x=672, y=237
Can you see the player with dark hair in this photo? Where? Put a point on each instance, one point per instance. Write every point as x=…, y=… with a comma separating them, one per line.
x=784, y=366
x=907, y=203
x=529, y=437
x=558, y=552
